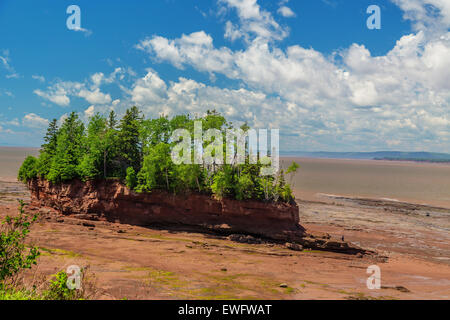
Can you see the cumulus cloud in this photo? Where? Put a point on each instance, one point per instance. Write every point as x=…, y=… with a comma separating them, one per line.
x=195, y=49
x=405, y=93
x=254, y=22
x=32, y=120
x=56, y=94
x=431, y=15
x=60, y=92
x=399, y=100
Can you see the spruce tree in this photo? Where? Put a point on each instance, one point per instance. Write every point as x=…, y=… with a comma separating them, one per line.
x=69, y=150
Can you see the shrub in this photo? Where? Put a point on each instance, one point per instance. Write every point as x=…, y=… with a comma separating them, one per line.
x=13, y=254
x=244, y=187
x=28, y=170
x=12, y=294
x=223, y=184
x=58, y=289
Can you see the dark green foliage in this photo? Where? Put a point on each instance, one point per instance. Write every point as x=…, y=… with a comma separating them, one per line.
x=14, y=256
x=100, y=147
x=131, y=178
x=51, y=138
x=28, y=170
x=138, y=151
x=112, y=120
x=129, y=144
x=244, y=187
x=69, y=150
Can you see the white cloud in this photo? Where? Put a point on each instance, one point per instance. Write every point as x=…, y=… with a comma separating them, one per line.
x=255, y=23
x=39, y=78
x=60, y=92
x=32, y=120
x=432, y=15
x=86, y=32
x=6, y=92
x=363, y=98
x=57, y=95
x=286, y=12
x=149, y=88
x=195, y=49
x=89, y=112
x=5, y=62
x=95, y=96
x=399, y=100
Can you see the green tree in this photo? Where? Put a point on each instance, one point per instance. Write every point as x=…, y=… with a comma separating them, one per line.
x=48, y=149
x=128, y=142
x=244, y=187
x=69, y=150
x=155, y=131
x=131, y=178
x=112, y=120
x=157, y=169
x=50, y=138
x=223, y=182
x=93, y=162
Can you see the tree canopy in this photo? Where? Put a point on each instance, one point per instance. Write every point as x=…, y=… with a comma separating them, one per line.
x=138, y=152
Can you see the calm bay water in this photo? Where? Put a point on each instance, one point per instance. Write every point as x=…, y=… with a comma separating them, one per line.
x=422, y=183
x=11, y=159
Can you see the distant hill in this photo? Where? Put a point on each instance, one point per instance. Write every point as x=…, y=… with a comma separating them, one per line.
x=378, y=155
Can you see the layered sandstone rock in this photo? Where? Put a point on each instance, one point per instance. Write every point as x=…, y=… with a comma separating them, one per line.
x=112, y=201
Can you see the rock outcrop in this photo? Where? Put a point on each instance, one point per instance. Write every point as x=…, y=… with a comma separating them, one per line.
x=112, y=201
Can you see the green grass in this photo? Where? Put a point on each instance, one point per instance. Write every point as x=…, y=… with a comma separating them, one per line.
x=18, y=295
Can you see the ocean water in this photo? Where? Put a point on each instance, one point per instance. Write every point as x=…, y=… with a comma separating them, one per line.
x=421, y=183
x=11, y=159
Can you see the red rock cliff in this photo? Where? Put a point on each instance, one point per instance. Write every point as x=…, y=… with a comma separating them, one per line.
x=112, y=201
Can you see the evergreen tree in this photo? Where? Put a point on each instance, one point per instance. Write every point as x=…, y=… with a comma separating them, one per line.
x=129, y=145
x=48, y=149
x=112, y=120
x=50, y=138
x=92, y=163
x=69, y=150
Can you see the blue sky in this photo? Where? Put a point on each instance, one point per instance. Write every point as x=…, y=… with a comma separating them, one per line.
x=311, y=68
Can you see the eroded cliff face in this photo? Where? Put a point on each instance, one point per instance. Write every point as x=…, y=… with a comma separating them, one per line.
x=112, y=201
